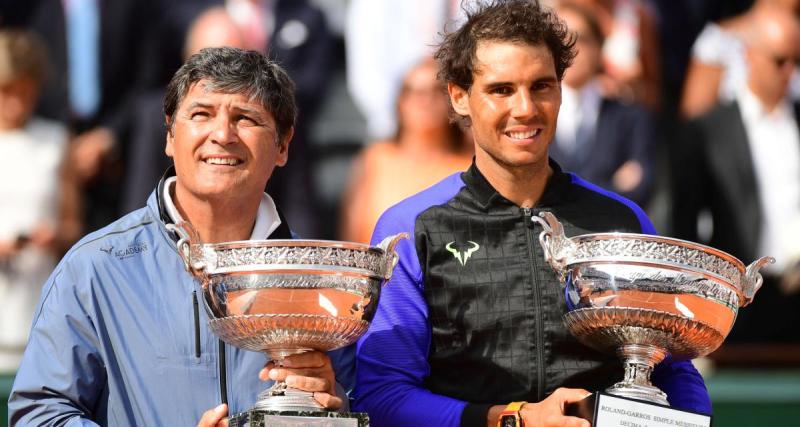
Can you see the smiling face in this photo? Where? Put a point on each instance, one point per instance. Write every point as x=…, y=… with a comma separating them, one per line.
x=224, y=146
x=512, y=105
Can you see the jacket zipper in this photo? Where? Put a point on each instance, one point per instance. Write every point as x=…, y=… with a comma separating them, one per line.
x=540, y=371
x=196, y=325
x=223, y=374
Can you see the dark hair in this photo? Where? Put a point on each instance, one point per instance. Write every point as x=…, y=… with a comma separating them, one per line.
x=522, y=21
x=22, y=54
x=232, y=70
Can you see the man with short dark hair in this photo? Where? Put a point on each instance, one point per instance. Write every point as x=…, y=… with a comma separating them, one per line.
x=472, y=317
x=118, y=338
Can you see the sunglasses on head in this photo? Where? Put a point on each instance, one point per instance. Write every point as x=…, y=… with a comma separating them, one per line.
x=780, y=61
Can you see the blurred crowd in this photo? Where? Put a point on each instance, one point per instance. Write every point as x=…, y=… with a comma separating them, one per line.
x=687, y=107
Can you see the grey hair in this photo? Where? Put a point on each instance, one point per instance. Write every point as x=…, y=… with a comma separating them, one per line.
x=233, y=70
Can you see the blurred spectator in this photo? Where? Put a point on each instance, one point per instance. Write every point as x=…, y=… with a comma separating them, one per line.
x=97, y=49
x=718, y=67
x=33, y=221
x=602, y=139
x=631, y=52
x=741, y=164
x=384, y=40
x=426, y=149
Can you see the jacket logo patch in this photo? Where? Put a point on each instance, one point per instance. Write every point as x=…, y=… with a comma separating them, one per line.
x=134, y=249
x=462, y=257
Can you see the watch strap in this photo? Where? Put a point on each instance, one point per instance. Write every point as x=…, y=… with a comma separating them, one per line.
x=511, y=412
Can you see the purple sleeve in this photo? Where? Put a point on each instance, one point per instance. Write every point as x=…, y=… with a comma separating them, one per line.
x=684, y=386
x=392, y=357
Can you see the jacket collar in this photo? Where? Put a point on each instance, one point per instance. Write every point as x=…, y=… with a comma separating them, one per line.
x=487, y=196
x=282, y=232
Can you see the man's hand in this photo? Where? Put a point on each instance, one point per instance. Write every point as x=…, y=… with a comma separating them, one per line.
x=550, y=412
x=215, y=417
x=310, y=371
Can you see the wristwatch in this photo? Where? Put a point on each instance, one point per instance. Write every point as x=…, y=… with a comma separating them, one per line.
x=510, y=416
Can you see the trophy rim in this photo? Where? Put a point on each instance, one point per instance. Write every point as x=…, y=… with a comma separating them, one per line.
x=338, y=244
x=736, y=262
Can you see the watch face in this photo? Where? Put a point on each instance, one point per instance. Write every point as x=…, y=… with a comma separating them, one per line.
x=508, y=421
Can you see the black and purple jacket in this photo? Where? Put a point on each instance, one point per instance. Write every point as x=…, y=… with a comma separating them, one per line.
x=473, y=315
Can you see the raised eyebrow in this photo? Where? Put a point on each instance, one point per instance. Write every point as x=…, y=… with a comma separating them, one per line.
x=198, y=104
x=246, y=110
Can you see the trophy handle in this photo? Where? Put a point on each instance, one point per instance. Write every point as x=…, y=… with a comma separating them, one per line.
x=554, y=242
x=752, y=280
x=188, y=237
x=387, y=245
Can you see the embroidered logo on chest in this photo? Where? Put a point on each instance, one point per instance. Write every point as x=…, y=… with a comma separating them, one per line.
x=462, y=256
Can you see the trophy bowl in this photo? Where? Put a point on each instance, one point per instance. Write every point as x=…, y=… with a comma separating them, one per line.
x=645, y=296
x=285, y=297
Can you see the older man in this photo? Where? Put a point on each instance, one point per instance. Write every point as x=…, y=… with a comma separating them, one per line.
x=118, y=338
x=472, y=318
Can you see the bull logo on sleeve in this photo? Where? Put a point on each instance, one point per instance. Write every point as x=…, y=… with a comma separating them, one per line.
x=462, y=256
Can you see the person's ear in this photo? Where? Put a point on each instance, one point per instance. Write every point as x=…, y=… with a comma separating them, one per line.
x=169, y=150
x=283, y=149
x=459, y=98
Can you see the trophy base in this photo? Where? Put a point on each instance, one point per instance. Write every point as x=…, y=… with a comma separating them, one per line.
x=287, y=399
x=605, y=410
x=260, y=418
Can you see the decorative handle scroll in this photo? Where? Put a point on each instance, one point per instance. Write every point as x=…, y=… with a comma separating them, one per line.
x=188, y=238
x=752, y=280
x=388, y=245
x=555, y=243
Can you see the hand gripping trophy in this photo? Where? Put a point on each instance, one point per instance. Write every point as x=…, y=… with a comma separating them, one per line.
x=284, y=297
x=645, y=297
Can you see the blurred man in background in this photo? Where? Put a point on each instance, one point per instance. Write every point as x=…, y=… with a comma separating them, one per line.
x=741, y=165
x=605, y=140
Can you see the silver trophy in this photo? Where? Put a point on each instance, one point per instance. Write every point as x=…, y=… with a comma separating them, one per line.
x=645, y=296
x=285, y=297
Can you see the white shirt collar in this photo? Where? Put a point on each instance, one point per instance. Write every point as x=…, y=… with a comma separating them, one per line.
x=267, y=218
x=752, y=108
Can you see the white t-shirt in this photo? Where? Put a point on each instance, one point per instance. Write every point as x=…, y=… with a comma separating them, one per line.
x=717, y=46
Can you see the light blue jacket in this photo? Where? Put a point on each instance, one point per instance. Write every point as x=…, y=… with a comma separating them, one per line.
x=113, y=339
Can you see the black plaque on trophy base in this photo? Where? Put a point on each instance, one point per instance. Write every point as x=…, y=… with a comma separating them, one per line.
x=606, y=410
x=261, y=418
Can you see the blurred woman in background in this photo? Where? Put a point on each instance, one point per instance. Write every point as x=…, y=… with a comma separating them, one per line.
x=39, y=219
x=426, y=149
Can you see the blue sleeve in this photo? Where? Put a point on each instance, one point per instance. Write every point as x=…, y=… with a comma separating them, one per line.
x=61, y=377
x=344, y=366
x=684, y=386
x=392, y=357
